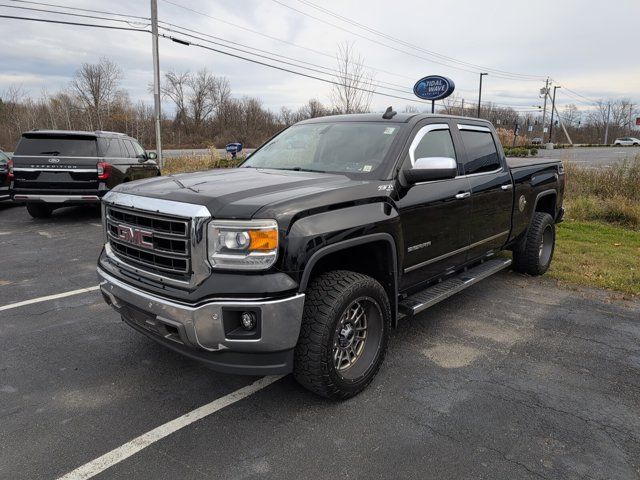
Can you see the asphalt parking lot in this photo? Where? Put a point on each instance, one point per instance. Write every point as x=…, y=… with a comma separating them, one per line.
x=514, y=378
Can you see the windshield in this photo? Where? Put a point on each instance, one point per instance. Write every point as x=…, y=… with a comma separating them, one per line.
x=57, y=146
x=341, y=147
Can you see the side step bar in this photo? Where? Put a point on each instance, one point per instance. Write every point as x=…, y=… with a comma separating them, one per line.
x=422, y=300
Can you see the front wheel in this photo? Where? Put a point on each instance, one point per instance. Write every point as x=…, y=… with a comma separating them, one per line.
x=344, y=334
x=534, y=252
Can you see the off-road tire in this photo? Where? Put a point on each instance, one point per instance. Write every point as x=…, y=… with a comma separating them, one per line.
x=530, y=255
x=39, y=210
x=328, y=297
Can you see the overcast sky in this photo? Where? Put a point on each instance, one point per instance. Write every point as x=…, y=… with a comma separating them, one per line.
x=584, y=47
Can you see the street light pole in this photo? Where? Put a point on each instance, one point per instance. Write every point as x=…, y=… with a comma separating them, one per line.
x=156, y=79
x=480, y=92
x=553, y=106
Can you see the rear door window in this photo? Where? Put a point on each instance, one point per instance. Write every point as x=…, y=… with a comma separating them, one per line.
x=52, y=146
x=482, y=154
x=111, y=148
x=130, y=151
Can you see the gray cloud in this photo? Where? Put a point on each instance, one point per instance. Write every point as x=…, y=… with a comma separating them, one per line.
x=575, y=42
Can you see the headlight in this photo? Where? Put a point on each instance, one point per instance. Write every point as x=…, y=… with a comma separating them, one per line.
x=243, y=244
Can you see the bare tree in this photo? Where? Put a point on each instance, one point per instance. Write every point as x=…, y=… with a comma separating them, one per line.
x=174, y=88
x=571, y=115
x=221, y=92
x=354, y=84
x=96, y=85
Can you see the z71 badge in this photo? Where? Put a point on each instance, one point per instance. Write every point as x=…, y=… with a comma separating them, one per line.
x=385, y=188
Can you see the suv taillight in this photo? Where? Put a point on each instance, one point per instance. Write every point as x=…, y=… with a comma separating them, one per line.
x=104, y=170
x=10, y=169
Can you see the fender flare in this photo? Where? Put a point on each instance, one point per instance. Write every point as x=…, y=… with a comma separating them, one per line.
x=543, y=194
x=353, y=242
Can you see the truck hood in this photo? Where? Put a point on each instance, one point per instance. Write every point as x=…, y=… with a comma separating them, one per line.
x=242, y=192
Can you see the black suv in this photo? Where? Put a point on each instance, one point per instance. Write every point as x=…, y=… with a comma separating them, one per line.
x=55, y=168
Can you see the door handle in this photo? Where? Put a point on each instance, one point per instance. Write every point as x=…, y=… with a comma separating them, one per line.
x=463, y=195
x=508, y=186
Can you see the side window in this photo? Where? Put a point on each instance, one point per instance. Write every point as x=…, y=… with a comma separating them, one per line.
x=130, y=151
x=137, y=148
x=432, y=141
x=110, y=147
x=481, y=151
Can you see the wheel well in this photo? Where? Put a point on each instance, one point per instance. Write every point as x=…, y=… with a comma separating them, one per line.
x=375, y=259
x=547, y=204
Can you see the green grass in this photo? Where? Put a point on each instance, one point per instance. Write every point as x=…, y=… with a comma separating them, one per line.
x=598, y=255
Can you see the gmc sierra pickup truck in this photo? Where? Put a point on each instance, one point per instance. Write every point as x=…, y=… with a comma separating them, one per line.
x=58, y=168
x=303, y=258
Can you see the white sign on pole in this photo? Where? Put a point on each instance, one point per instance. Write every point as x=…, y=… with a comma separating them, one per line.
x=530, y=129
x=545, y=130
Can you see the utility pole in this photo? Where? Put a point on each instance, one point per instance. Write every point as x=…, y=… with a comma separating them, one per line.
x=553, y=107
x=480, y=92
x=156, y=79
x=545, y=92
x=630, y=118
x=629, y=113
x=606, y=127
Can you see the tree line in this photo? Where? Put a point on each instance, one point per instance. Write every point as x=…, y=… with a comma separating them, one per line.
x=206, y=113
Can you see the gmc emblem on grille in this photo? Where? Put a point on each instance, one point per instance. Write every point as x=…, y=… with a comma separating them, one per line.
x=135, y=236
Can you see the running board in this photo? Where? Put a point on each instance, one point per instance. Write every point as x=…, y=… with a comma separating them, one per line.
x=426, y=298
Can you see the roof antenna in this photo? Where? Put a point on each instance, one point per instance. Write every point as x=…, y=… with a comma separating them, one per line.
x=389, y=113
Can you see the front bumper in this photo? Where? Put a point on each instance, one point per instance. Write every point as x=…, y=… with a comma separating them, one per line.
x=206, y=332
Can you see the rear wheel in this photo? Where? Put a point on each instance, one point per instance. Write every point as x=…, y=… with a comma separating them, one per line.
x=534, y=252
x=344, y=334
x=39, y=210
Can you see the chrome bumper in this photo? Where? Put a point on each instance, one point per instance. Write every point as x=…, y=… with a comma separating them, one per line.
x=203, y=327
x=57, y=198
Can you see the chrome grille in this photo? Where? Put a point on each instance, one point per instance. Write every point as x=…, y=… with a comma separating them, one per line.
x=157, y=243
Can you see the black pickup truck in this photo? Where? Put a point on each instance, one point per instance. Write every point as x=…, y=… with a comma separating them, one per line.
x=303, y=258
x=57, y=168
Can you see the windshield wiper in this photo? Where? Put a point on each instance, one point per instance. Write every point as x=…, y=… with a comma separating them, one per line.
x=53, y=152
x=300, y=169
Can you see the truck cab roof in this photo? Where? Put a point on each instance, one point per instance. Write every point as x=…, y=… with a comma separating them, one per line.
x=411, y=118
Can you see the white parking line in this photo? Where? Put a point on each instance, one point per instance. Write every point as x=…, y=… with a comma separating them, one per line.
x=49, y=297
x=123, y=452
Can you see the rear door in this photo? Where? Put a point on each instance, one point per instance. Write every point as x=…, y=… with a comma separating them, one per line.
x=434, y=214
x=59, y=163
x=491, y=185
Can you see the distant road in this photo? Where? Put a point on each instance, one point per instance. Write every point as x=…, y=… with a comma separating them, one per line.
x=592, y=156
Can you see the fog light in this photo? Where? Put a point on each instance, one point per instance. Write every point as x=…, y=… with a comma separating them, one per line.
x=248, y=320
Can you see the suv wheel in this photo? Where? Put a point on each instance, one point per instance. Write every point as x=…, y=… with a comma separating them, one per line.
x=534, y=252
x=344, y=334
x=39, y=210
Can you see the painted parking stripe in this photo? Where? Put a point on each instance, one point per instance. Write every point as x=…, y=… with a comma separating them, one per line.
x=123, y=452
x=49, y=297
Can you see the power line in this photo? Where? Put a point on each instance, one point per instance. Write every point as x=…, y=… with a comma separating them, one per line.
x=61, y=22
x=81, y=9
x=365, y=90
x=79, y=15
x=403, y=42
x=256, y=32
x=499, y=75
x=181, y=30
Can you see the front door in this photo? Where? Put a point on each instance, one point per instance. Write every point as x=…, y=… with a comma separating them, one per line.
x=434, y=214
